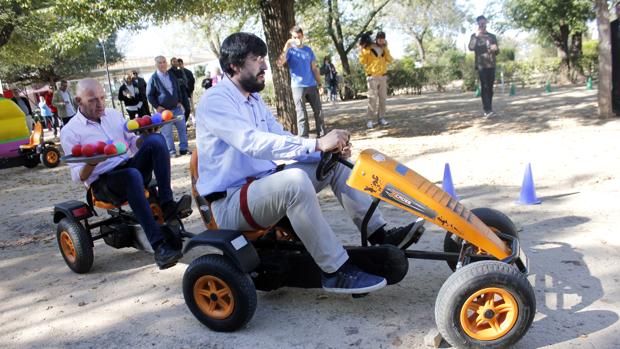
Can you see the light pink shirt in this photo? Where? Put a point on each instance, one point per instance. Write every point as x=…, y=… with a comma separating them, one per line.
x=82, y=131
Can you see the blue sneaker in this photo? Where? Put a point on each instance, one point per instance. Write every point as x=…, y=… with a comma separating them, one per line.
x=351, y=279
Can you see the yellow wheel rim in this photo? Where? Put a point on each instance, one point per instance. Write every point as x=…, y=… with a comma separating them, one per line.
x=489, y=314
x=66, y=244
x=213, y=297
x=51, y=157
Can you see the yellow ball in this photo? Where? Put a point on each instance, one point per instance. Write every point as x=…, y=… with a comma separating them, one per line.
x=132, y=125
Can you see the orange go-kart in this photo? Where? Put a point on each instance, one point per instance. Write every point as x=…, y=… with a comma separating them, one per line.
x=36, y=151
x=488, y=301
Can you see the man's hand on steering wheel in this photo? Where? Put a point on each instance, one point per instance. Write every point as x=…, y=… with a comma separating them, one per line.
x=334, y=141
x=334, y=145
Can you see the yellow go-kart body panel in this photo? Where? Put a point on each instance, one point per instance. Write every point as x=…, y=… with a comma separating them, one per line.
x=383, y=177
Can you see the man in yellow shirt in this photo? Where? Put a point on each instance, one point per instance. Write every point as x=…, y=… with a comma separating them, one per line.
x=375, y=58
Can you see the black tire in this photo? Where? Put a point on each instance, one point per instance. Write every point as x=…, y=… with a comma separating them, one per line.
x=75, y=244
x=50, y=157
x=494, y=219
x=30, y=161
x=512, y=317
x=236, y=304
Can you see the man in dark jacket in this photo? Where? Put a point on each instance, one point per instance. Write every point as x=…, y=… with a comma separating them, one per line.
x=163, y=92
x=183, y=84
x=484, y=44
x=191, y=82
x=615, y=59
x=141, y=83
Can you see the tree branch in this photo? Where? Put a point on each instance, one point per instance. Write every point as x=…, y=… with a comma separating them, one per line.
x=371, y=16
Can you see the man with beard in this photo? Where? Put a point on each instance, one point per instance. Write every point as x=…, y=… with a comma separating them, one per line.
x=238, y=139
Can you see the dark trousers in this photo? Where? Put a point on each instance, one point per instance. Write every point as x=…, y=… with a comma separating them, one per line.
x=129, y=180
x=144, y=110
x=487, y=78
x=310, y=94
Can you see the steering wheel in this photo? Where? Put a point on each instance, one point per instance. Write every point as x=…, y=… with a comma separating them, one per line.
x=328, y=161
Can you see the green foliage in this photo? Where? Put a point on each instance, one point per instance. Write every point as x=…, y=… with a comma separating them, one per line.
x=200, y=71
x=589, y=58
x=546, y=16
x=21, y=64
x=506, y=55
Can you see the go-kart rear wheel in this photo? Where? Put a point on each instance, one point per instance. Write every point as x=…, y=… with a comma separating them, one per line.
x=488, y=304
x=50, y=157
x=218, y=294
x=30, y=159
x=494, y=219
x=75, y=244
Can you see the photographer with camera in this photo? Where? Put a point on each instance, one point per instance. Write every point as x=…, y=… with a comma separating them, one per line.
x=305, y=81
x=375, y=57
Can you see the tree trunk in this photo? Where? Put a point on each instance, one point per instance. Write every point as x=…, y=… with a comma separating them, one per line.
x=419, y=41
x=5, y=33
x=278, y=17
x=334, y=29
x=561, y=43
x=604, y=60
x=575, y=55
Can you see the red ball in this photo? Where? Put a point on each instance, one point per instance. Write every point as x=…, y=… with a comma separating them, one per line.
x=147, y=120
x=89, y=150
x=76, y=150
x=100, y=147
x=110, y=149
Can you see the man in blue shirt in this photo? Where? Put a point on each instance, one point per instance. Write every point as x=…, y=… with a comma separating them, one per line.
x=305, y=81
x=163, y=93
x=237, y=138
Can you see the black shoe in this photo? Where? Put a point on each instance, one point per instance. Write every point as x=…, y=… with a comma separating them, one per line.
x=181, y=208
x=166, y=256
x=185, y=152
x=351, y=279
x=401, y=237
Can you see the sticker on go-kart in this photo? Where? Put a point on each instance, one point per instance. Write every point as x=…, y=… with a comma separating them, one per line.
x=390, y=193
x=378, y=157
x=375, y=186
x=239, y=242
x=447, y=225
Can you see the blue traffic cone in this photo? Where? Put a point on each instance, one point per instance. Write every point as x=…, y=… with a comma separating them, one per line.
x=528, y=192
x=446, y=184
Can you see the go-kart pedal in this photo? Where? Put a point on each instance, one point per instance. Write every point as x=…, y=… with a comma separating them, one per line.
x=167, y=257
x=178, y=209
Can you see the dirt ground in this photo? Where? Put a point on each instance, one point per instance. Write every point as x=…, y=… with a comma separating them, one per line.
x=125, y=301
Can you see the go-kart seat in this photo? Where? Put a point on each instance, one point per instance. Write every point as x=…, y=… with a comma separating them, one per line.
x=36, y=136
x=204, y=207
x=107, y=200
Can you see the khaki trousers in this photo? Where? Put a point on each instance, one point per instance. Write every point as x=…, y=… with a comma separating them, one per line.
x=292, y=193
x=377, y=94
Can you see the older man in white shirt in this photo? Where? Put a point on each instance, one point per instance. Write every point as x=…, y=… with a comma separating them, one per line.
x=126, y=175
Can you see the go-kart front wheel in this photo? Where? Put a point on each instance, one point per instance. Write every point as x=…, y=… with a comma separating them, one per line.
x=75, y=244
x=218, y=294
x=494, y=219
x=487, y=304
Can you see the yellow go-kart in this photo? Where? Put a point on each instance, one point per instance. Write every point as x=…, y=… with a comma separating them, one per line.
x=488, y=301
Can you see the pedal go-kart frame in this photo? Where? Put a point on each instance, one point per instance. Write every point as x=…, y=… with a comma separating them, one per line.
x=488, y=301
